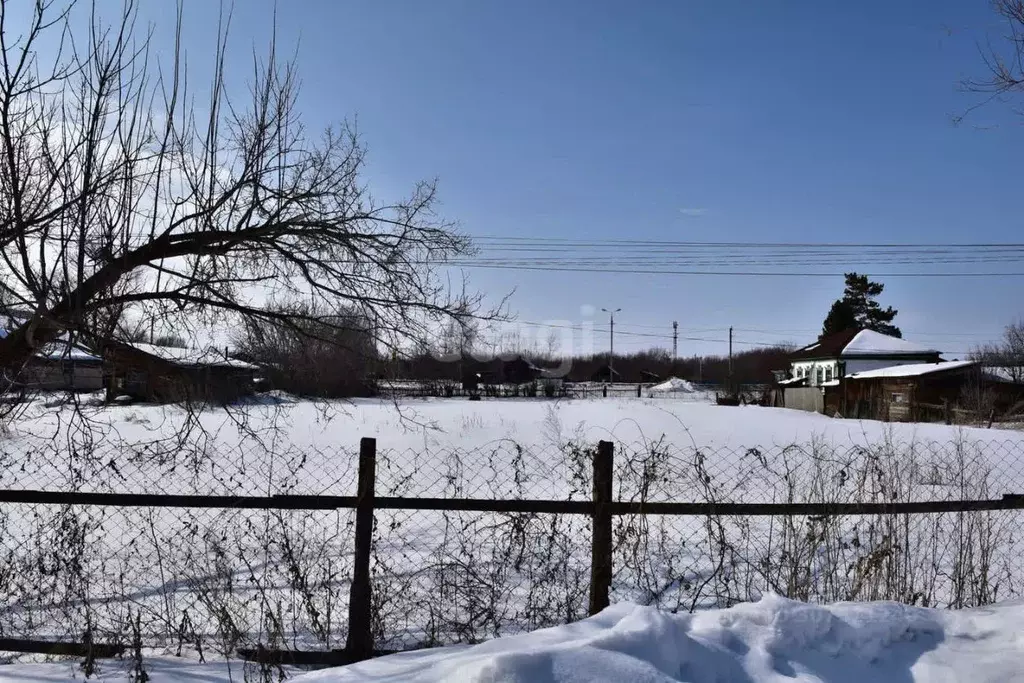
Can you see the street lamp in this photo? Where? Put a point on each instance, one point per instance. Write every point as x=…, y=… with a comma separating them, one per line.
x=611, y=342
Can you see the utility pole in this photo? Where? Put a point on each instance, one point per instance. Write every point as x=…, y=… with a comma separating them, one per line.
x=730, y=359
x=675, y=340
x=611, y=342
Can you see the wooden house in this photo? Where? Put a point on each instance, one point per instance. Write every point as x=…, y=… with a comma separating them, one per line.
x=168, y=374
x=852, y=351
x=918, y=392
x=517, y=370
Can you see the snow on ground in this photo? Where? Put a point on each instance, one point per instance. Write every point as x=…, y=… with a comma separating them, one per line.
x=772, y=640
x=769, y=641
x=673, y=385
x=425, y=423
x=159, y=669
x=302, y=447
x=533, y=571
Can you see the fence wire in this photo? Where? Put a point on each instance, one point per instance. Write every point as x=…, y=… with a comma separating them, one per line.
x=220, y=579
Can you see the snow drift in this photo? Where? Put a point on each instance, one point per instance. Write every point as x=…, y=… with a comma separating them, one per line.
x=673, y=385
x=771, y=640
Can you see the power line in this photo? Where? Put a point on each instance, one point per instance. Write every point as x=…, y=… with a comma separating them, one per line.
x=758, y=259
x=738, y=273
x=848, y=245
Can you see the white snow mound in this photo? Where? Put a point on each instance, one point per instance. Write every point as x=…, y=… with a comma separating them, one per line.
x=772, y=640
x=673, y=385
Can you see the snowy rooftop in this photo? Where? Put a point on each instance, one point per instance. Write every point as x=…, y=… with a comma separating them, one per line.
x=860, y=343
x=869, y=342
x=184, y=356
x=913, y=370
x=61, y=350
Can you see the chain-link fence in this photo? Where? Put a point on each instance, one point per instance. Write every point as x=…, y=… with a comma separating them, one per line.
x=224, y=578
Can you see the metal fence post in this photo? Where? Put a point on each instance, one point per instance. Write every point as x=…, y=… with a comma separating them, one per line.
x=601, y=541
x=359, y=643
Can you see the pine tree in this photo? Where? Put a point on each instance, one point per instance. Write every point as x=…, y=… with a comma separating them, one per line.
x=859, y=309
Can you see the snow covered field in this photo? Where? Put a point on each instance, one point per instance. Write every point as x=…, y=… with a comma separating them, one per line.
x=229, y=577
x=251, y=451
x=764, y=642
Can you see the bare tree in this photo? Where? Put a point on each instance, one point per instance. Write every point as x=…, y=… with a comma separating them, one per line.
x=1006, y=354
x=335, y=356
x=125, y=195
x=1005, y=61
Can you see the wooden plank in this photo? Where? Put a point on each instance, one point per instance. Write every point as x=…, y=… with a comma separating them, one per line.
x=49, y=647
x=524, y=506
x=305, y=657
x=360, y=631
x=601, y=538
x=1007, y=502
x=284, y=502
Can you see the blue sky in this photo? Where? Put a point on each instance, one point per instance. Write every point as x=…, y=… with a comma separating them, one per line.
x=770, y=121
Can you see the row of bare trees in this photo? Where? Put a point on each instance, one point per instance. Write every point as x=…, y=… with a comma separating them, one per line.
x=749, y=367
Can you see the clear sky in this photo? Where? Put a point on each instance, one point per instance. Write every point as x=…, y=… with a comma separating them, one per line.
x=593, y=119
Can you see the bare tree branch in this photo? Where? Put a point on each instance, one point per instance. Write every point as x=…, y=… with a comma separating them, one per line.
x=123, y=201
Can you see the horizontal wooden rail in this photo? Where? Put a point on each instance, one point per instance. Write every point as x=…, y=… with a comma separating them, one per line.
x=306, y=657
x=68, y=649
x=526, y=506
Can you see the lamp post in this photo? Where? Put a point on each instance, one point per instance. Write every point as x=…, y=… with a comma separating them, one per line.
x=611, y=342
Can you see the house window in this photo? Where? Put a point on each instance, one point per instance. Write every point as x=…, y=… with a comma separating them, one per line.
x=828, y=373
x=899, y=397
x=821, y=375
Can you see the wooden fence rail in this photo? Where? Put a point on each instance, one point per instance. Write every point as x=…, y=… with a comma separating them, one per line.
x=359, y=644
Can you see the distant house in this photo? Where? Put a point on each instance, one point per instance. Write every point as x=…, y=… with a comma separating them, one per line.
x=605, y=374
x=58, y=366
x=852, y=351
x=169, y=374
x=517, y=370
x=520, y=371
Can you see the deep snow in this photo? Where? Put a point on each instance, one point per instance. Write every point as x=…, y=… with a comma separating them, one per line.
x=673, y=385
x=771, y=641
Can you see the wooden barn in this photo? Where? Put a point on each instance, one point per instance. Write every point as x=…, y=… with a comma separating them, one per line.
x=167, y=374
x=919, y=392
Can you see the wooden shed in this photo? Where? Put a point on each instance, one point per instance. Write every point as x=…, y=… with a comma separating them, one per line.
x=58, y=366
x=918, y=392
x=168, y=374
